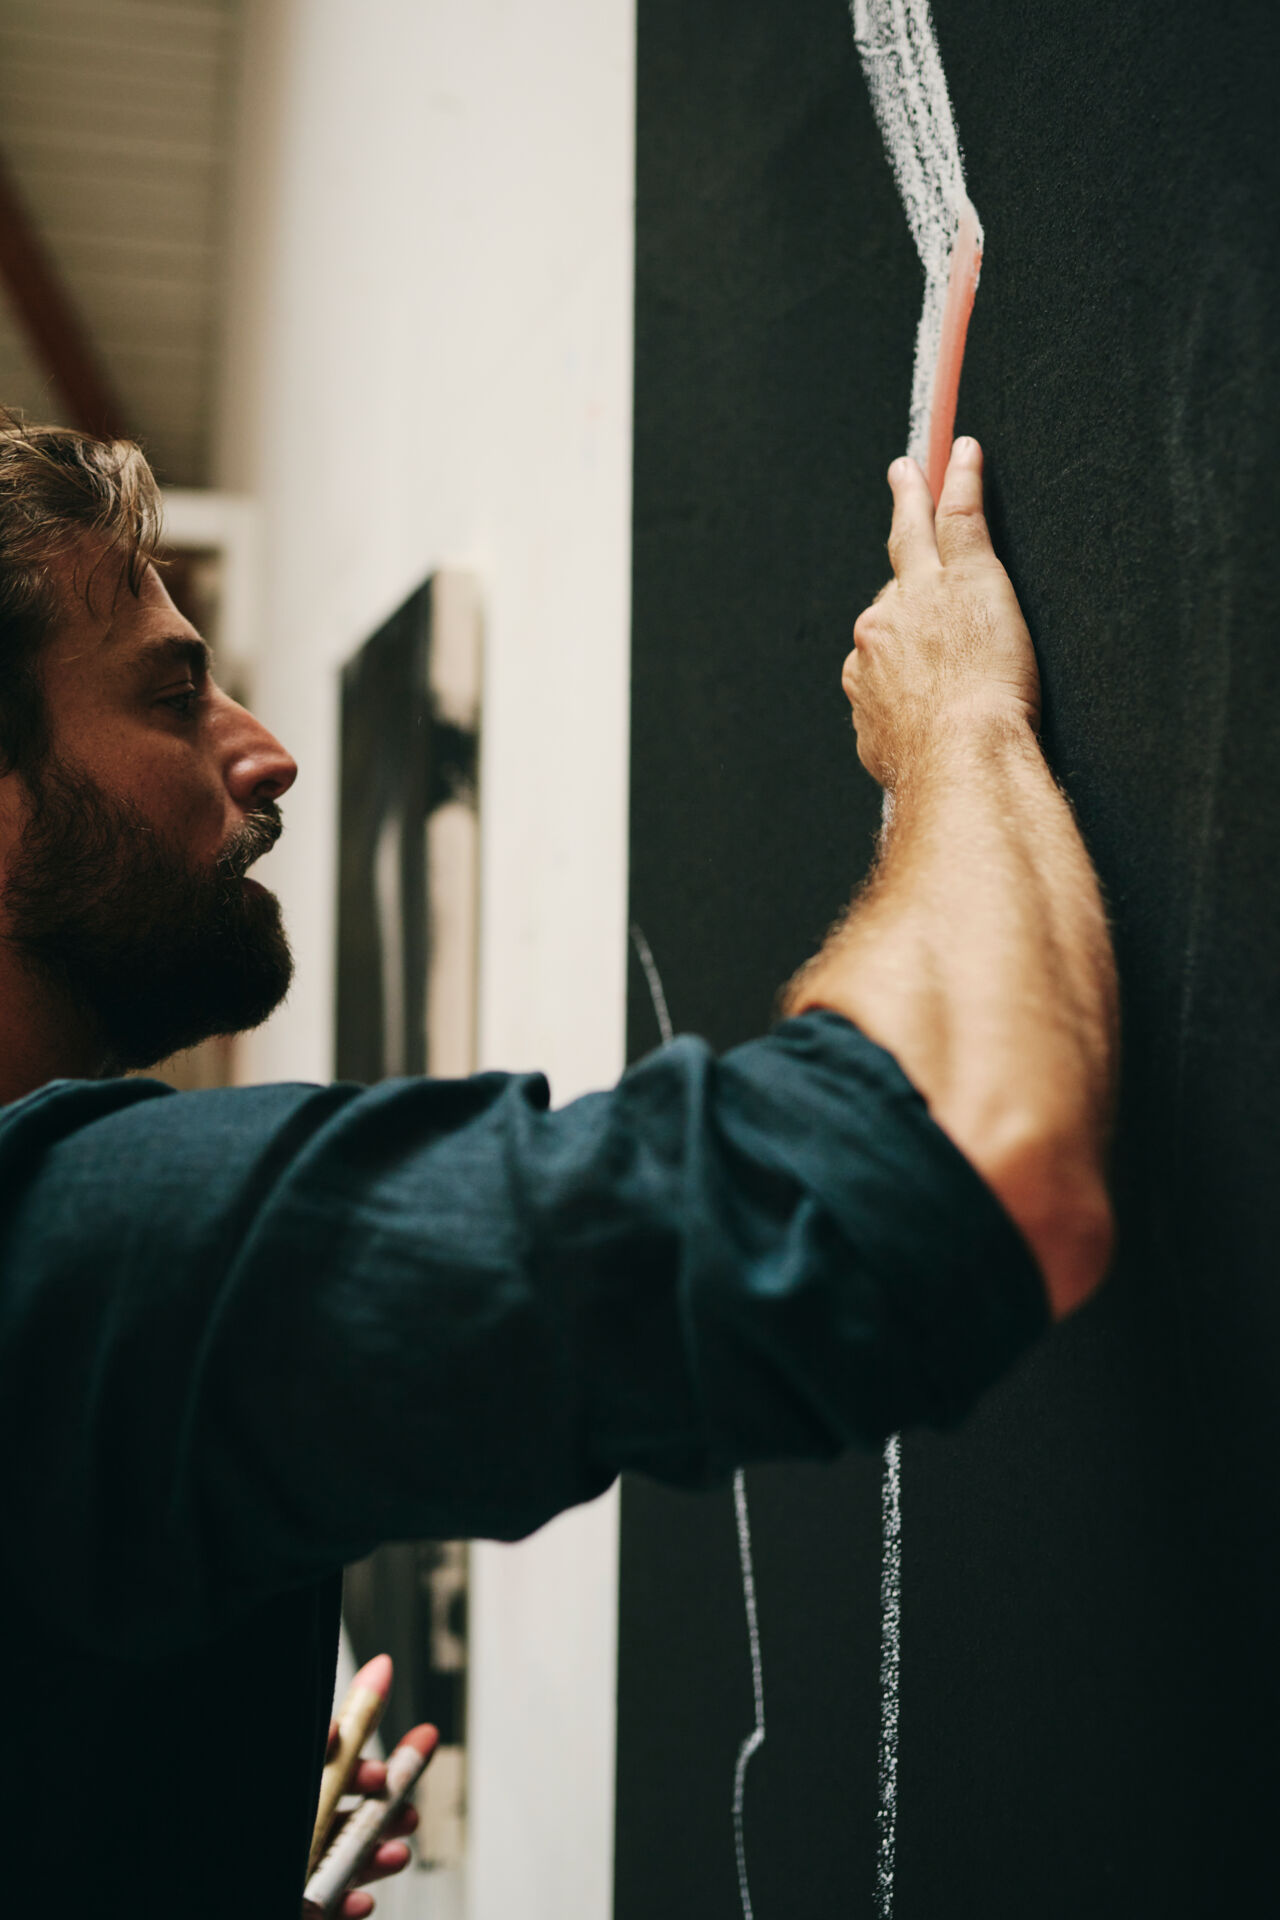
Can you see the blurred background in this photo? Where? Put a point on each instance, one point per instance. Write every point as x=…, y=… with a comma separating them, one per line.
x=358, y=275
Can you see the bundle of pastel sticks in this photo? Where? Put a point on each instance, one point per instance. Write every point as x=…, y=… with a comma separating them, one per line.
x=349, y=1831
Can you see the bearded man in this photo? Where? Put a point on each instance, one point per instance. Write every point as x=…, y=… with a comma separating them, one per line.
x=851, y=1225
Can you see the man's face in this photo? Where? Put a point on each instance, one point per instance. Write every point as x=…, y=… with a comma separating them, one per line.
x=122, y=858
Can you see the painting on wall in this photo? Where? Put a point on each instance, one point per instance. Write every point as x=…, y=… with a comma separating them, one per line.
x=408, y=879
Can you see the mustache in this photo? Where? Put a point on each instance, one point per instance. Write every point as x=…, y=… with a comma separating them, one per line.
x=255, y=835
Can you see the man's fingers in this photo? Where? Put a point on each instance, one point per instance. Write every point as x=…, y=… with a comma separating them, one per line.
x=391, y=1857
x=961, y=525
x=370, y=1777
x=912, y=546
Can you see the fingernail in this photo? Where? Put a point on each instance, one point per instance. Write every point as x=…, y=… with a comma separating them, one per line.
x=965, y=450
x=898, y=471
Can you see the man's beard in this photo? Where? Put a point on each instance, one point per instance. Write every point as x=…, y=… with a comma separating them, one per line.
x=157, y=954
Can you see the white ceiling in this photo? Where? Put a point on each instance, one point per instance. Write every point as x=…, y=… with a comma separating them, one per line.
x=116, y=120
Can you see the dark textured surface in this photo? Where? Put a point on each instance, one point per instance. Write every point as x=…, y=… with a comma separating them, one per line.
x=1091, y=1679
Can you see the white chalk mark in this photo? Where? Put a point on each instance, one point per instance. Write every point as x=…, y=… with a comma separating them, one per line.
x=912, y=105
x=909, y=96
x=890, y=1672
x=654, y=980
x=755, y=1739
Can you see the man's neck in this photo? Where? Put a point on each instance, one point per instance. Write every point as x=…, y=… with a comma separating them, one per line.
x=42, y=1037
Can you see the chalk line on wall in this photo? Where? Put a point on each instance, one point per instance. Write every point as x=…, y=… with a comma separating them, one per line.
x=908, y=88
x=653, y=980
x=890, y=1672
x=755, y=1739
x=909, y=96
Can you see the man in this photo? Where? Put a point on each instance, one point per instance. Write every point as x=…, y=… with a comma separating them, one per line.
x=246, y=1335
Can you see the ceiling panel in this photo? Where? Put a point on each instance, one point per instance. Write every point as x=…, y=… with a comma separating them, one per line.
x=115, y=119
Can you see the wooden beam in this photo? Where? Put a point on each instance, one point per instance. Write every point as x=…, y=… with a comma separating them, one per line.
x=54, y=328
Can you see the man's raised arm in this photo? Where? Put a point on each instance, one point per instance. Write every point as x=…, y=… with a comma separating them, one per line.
x=978, y=951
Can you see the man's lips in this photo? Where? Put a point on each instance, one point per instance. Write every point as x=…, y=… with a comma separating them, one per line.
x=247, y=846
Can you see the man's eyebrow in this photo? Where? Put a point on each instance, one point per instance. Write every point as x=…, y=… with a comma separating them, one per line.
x=177, y=650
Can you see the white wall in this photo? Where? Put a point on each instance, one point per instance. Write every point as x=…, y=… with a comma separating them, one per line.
x=429, y=363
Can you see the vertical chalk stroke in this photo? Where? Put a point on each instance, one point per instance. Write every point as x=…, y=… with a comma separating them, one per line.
x=908, y=88
x=653, y=980
x=909, y=96
x=755, y=1739
x=890, y=1673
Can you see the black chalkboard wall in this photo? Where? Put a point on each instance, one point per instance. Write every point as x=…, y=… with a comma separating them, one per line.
x=1091, y=1600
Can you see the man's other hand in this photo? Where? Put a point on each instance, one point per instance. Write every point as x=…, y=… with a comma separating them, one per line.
x=944, y=646
x=392, y=1855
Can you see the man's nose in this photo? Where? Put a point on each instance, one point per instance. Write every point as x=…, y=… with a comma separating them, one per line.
x=257, y=767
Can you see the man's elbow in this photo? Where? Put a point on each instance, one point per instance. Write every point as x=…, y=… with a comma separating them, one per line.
x=1052, y=1188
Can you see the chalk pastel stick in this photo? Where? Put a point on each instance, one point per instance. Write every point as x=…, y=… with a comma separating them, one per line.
x=957, y=309
x=912, y=105
x=363, y=1830
x=357, y=1718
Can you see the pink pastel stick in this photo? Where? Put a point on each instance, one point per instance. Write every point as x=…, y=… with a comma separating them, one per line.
x=962, y=286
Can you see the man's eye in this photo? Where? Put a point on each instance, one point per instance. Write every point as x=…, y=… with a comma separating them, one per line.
x=184, y=704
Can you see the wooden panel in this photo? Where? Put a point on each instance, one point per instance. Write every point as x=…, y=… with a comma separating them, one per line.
x=117, y=118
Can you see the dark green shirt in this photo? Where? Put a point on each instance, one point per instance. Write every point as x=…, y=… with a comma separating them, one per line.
x=246, y=1335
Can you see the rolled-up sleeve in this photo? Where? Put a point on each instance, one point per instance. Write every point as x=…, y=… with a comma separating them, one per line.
x=245, y=1335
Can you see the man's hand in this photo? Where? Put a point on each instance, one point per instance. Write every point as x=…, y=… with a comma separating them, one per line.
x=944, y=646
x=392, y=1855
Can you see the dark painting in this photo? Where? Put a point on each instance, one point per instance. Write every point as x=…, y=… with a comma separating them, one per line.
x=407, y=876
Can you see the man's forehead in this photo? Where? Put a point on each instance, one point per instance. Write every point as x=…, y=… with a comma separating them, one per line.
x=99, y=612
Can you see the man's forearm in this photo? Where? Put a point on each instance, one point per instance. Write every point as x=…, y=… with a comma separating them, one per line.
x=978, y=954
